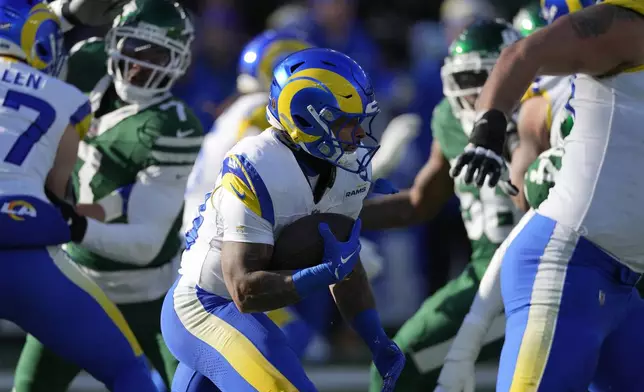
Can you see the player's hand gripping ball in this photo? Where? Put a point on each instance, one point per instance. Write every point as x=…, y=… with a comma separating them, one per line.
x=318, y=239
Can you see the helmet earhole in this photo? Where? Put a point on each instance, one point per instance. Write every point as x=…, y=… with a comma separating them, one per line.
x=41, y=51
x=301, y=122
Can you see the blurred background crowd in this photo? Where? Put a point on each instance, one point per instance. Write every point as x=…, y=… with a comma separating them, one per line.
x=401, y=44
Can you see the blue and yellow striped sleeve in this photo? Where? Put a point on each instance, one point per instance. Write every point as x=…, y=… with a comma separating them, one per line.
x=239, y=177
x=82, y=119
x=538, y=90
x=635, y=5
x=533, y=91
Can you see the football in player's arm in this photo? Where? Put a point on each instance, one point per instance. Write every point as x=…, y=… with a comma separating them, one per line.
x=315, y=157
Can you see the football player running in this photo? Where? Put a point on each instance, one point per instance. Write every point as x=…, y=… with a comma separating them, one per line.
x=574, y=319
x=544, y=121
x=130, y=176
x=489, y=214
x=41, y=290
x=315, y=158
x=245, y=117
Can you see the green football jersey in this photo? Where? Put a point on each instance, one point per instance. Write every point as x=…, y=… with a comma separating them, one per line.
x=488, y=213
x=542, y=173
x=124, y=140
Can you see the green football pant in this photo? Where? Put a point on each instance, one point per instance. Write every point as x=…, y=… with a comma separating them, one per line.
x=426, y=337
x=40, y=370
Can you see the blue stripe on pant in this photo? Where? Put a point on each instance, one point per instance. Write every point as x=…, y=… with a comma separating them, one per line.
x=574, y=320
x=236, y=351
x=43, y=292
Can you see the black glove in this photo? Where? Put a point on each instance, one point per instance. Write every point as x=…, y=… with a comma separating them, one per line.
x=77, y=223
x=89, y=12
x=483, y=156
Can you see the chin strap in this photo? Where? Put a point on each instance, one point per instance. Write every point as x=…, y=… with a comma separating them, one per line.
x=310, y=166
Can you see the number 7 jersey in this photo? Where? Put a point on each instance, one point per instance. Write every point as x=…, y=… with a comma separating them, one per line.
x=35, y=110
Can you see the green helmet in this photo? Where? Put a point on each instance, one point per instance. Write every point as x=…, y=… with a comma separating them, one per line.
x=148, y=48
x=529, y=19
x=469, y=62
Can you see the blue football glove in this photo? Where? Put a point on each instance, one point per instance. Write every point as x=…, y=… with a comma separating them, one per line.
x=340, y=257
x=384, y=187
x=389, y=361
x=338, y=261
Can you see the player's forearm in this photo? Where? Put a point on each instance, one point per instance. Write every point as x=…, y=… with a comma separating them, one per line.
x=356, y=303
x=521, y=160
x=261, y=291
x=510, y=78
x=353, y=294
x=136, y=244
x=488, y=302
x=399, y=210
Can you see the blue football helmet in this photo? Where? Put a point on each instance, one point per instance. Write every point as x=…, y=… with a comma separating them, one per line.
x=314, y=93
x=31, y=32
x=552, y=10
x=262, y=54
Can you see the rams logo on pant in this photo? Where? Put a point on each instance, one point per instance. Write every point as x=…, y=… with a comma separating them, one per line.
x=18, y=210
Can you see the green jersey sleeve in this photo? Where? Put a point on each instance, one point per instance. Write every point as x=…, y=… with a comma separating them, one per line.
x=541, y=175
x=173, y=134
x=447, y=130
x=87, y=64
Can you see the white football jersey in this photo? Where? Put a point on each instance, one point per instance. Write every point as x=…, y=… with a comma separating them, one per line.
x=261, y=190
x=556, y=90
x=235, y=123
x=599, y=188
x=35, y=111
x=558, y=95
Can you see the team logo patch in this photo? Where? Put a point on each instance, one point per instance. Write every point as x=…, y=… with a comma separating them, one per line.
x=18, y=210
x=361, y=189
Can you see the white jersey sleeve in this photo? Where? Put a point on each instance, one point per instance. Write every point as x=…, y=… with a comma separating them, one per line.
x=240, y=120
x=35, y=111
x=240, y=223
x=139, y=240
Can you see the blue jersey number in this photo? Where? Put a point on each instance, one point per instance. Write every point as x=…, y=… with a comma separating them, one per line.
x=46, y=116
x=192, y=234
